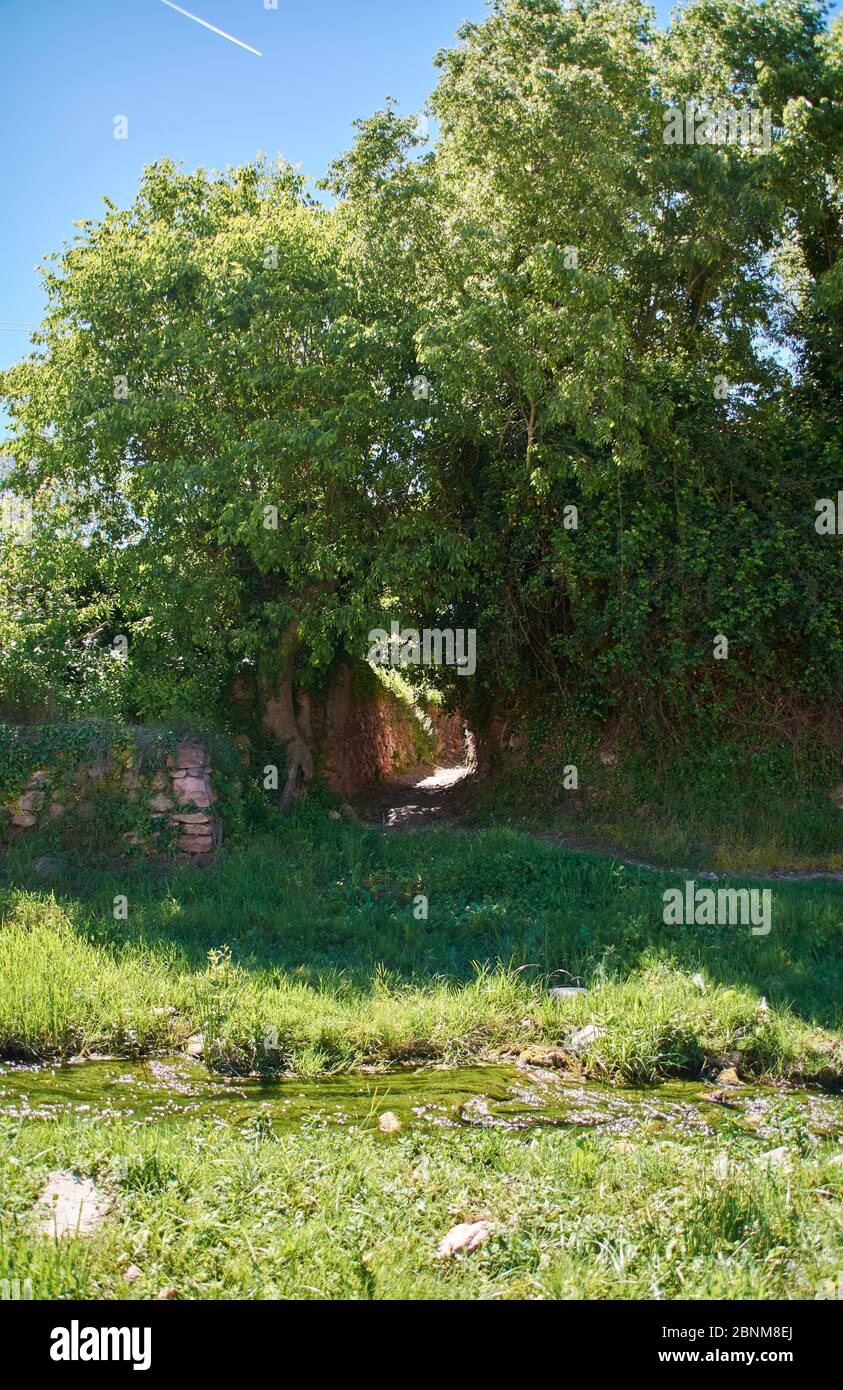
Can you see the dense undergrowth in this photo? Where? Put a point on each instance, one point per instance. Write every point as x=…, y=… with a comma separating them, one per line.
x=760, y=789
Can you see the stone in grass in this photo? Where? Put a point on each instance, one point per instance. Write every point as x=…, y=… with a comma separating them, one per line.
x=46, y=866
x=566, y=992
x=350, y=814
x=389, y=1123
x=132, y=1274
x=463, y=1239
x=195, y=1045
x=70, y=1205
x=589, y=1034
x=543, y=1057
x=722, y=1167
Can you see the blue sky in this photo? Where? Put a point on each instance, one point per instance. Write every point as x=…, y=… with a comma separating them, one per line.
x=71, y=66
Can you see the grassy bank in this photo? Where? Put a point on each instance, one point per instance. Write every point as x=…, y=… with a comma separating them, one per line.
x=212, y=1212
x=754, y=793
x=301, y=950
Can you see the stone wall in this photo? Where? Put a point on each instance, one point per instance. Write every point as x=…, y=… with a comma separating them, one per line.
x=123, y=777
x=187, y=803
x=453, y=738
x=179, y=817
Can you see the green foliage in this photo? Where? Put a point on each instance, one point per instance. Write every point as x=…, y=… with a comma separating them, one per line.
x=588, y=379
x=744, y=781
x=223, y=426
x=572, y=286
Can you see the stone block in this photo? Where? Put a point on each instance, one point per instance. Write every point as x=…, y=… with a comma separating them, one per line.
x=196, y=844
x=190, y=754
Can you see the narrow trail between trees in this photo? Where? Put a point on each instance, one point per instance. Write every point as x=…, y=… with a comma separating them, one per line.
x=416, y=799
x=439, y=796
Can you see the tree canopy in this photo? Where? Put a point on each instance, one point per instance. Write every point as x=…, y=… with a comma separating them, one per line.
x=631, y=350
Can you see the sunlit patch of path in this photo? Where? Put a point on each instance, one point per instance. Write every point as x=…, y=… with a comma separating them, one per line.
x=443, y=777
x=419, y=797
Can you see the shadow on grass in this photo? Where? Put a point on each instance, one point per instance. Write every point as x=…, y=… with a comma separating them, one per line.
x=341, y=909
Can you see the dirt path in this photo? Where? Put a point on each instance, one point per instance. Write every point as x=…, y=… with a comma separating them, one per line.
x=415, y=800
x=427, y=797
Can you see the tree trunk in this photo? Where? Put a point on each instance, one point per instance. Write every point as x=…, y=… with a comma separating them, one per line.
x=279, y=716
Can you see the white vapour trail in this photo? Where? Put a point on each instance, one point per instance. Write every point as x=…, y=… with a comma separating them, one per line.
x=213, y=28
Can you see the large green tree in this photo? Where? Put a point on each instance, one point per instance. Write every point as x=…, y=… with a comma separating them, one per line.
x=604, y=322
x=230, y=429
x=629, y=348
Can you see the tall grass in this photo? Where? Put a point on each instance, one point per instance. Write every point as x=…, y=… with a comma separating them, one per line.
x=327, y=956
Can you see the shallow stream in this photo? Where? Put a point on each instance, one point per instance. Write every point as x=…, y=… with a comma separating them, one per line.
x=511, y=1097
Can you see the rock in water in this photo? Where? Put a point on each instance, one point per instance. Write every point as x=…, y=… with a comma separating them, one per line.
x=728, y=1077
x=465, y=1237
x=719, y=1098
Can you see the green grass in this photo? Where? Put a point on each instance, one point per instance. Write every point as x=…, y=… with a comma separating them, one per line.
x=749, y=798
x=222, y=1213
x=325, y=948
x=309, y=930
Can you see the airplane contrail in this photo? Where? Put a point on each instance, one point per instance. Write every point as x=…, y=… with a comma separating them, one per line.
x=212, y=27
